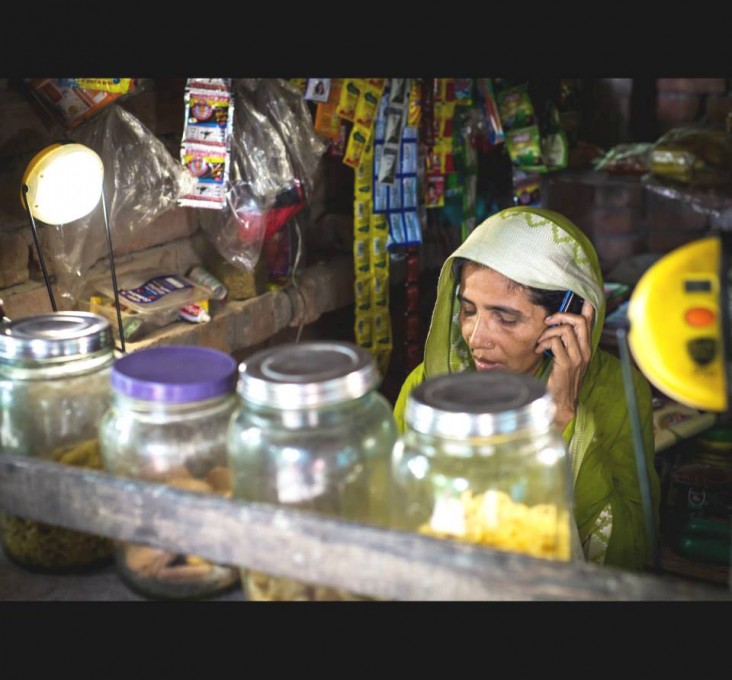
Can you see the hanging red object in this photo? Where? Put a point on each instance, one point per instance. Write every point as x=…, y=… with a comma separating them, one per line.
x=253, y=222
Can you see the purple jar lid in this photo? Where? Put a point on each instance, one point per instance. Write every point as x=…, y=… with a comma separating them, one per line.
x=176, y=374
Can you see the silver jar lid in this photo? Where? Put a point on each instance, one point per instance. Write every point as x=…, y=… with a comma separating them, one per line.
x=58, y=335
x=307, y=374
x=479, y=404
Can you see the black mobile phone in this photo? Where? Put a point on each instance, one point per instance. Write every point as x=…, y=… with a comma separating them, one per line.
x=572, y=304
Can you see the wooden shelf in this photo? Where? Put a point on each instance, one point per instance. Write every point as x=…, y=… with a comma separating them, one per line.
x=238, y=324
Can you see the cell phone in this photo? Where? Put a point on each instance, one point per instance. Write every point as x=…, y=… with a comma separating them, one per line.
x=572, y=304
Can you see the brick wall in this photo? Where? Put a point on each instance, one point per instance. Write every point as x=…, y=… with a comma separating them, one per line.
x=623, y=216
x=610, y=210
x=684, y=101
x=621, y=110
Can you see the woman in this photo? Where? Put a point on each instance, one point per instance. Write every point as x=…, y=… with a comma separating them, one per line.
x=497, y=297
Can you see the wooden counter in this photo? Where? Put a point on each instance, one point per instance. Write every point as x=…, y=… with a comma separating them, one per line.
x=386, y=564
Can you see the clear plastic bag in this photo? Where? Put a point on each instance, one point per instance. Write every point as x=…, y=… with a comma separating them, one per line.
x=693, y=156
x=626, y=159
x=275, y=154
x=142, y=181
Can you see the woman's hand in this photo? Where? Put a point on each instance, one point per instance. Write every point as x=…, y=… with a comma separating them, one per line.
x=569, y=337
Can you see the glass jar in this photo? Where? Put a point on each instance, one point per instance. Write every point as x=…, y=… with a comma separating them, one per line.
x=480, y=461
x=54, y=389
x=167, y=424
x=311, y=433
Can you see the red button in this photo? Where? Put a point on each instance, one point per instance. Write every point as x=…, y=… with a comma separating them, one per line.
x=699, y=316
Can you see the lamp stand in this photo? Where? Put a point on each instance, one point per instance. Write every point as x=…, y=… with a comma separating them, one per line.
x=41, y=259
x=114, y=274
x=47, y=279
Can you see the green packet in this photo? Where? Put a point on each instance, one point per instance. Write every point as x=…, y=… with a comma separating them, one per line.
x=536, y=153
x=515, y=107
x=524, y=146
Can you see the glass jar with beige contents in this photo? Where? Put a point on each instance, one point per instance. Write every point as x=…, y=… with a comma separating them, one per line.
x=54, y=389
x=167, y=424
x=480, y=461
x=311, y=433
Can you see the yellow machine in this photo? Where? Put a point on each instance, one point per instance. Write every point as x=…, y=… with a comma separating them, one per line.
x=679, y=326
x=678, y=314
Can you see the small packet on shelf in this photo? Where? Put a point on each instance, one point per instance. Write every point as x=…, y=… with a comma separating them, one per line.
x=156, y=296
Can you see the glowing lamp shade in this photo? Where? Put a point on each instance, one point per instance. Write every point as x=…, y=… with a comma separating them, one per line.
x=63, y=183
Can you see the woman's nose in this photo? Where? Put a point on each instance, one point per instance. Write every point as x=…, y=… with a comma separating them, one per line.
x=481, y=335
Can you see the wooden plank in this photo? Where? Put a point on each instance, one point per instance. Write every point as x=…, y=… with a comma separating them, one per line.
x=372, y=561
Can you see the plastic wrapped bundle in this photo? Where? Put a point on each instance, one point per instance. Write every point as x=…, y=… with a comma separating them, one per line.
x=695, y=156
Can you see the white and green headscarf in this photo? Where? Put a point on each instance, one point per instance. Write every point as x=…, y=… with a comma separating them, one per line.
x=534, y=247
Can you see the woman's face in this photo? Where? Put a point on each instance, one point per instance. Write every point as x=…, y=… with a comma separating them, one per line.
x=498, y=322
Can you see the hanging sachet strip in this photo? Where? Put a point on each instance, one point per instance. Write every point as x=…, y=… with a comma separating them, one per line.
x=395, y=180
x=372, y=324
x=206, y=141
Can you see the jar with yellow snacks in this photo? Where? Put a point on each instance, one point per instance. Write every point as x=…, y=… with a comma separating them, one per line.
x=54, y=389
x=311, y=433
x=480, y=461
x=167, y=425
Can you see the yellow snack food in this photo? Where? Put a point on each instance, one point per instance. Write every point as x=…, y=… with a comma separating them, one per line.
x=494, y=520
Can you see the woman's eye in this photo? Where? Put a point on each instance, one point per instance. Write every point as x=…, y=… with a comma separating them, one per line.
x=467, y=311
x=506, y=321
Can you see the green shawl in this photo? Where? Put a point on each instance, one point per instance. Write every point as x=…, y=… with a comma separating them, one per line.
x=540, y=248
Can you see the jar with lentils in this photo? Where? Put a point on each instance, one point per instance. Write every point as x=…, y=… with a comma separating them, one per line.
x=54, y=390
